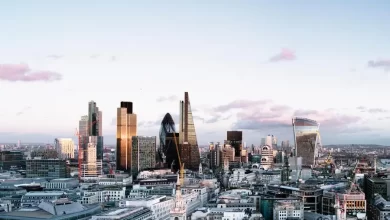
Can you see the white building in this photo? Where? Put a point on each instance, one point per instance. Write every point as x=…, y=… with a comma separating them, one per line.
x=284, y=209
x=64, y=147
x=267, y=156
x=93, y=196
x=115, y=179
x=159, y=205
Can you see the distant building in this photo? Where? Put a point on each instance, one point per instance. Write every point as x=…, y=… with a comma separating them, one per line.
x=143, y=153
x=64, y=148
x=267, y=158
x=234, y=138
x=286, y=209
x=126, y=129
x=12, y=160
x=306, y=135
x=49, y=168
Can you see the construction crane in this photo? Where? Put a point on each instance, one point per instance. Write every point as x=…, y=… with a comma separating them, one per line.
x=181, y=165
x=80, y=151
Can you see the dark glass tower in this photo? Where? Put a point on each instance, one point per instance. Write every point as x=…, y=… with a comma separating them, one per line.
x=167, y=126
x=234, y=138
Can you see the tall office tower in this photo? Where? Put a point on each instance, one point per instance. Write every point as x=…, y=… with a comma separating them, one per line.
x=91, y=166
x=306, y=136
x=83, y=126
x=91, y=142
x=187, y=134
x=274, y=142
x=268, y=140
x=64, y=147
x=125, y=130
x=167, y=126
x=262, y=142
x=172, y=159
x=234, y=138
x=143, y=154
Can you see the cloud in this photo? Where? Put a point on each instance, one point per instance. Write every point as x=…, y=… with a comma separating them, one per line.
x=22, y=72
x=372, y=110
x=385, y=64
x=278, y=118
x=21, y=112
x=283, y=55
x=239, y=104
x=171, y=98
x=55, y=56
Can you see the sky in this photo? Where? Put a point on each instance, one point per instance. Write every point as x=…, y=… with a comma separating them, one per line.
x=247, y=65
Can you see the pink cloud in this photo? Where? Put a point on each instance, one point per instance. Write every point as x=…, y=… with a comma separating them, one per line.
x=284, y=55
x=22, y=72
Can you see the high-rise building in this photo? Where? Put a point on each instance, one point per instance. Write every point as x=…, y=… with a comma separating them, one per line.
x=234, y=138
x=126, y=129
x=187, y=134
x=91, y=166
x=172, y=159
x=267, y=157
x=91, y=142
x=83, y=126
x=64, y=147
x=143, y=153
x=306, y=137
x=167, y=126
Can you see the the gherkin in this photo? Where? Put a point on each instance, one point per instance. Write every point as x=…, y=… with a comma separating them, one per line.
x=167, y=127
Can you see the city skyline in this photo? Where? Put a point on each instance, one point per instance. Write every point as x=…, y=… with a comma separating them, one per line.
x=249, y=69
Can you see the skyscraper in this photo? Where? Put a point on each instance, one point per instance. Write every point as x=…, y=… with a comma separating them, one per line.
x=306, y=137
x=91, y=141
x=234, y=138
x=143, y=153
x=126, y=129
x=167, y=126
x=187, y=135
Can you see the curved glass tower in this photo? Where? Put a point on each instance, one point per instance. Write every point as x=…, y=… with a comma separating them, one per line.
x=167, y=127
x=306, y=137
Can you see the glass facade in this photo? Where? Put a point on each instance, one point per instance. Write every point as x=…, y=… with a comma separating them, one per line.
x=306, y=135
x=143, y=153
x=126, y=129
x=187, y=134
x=234, y=138
x=167, y=126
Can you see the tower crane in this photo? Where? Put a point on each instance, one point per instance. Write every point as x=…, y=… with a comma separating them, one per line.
x=181, y=165
x=80, y=148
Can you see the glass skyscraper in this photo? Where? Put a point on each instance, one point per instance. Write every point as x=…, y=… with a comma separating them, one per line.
x=306, y=137
x=126, y=129
x=187, y=135
x=167, y=126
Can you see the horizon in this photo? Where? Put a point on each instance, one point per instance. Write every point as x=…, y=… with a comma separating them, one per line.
x=248, y=66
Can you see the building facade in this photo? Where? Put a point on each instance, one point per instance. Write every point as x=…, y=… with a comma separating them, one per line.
x=126, y=129
x=306, y=137
x=64, y=147
x=49, y=168
x=143, y=153
x=167, y=126
x=234, y=139
x=187, y=134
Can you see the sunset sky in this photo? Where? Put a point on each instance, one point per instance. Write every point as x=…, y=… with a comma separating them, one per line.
x=247, y=65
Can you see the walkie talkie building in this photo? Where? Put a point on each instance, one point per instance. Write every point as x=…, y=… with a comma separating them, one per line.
x=306, y=137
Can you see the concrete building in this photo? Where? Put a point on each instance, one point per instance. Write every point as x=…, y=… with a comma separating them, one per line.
x=143, y=153
x=50, y=168
x=159, y=205
x=64, y=147
x=285, y=209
